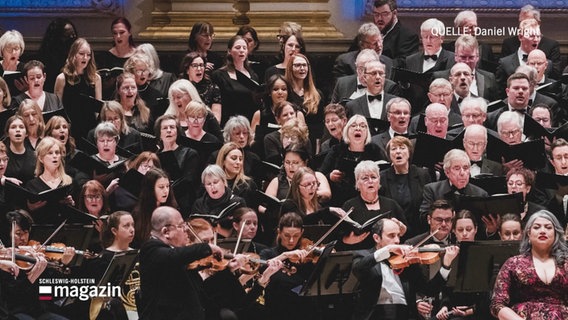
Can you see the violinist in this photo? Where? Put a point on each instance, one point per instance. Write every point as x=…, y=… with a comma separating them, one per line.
x=21, y=294
x=245, y=222
x=280, y=301
x=389, y=294
x=225, y=296
x=167, y=292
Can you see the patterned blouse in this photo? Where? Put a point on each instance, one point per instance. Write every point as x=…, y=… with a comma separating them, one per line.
x=519, y=287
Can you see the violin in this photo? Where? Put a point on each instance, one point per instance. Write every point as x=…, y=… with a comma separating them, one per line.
x=423, y=255
x=213, y=262
x=23, y=259
x=55, y=251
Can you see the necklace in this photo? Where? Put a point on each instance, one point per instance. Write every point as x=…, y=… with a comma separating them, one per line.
x=372, y=201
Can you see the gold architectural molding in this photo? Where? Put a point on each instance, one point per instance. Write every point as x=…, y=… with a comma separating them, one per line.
x=177, y=25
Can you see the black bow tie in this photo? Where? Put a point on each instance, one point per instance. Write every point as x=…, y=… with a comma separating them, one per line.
x=525, y=57
x=478, y=163
x=433, y=57
x=360, y=86
x=458, y=191
x=378, y=97
x=396, y=134
x=530, y=102
x=521, y=111
x=460, y=100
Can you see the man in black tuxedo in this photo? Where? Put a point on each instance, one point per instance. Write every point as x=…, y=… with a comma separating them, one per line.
x=434, y=57
x=167, y=291
x=440, y=92
x=467, y=51
x=368, y=37
x=474, y=144
x=466, y=24
x=456, y=168
x=372, y=104
x=518, y=92
x=353, y=86
x=529, y=37
x=386, y=294
x=398, y=41
x=534, y=96
x=549, y=46
x=398, y=115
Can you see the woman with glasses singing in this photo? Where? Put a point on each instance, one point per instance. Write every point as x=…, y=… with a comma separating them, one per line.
x=93, y=199
x=367, y=205
x=136, y=112
x=200, y=41
x=303, y=198
x=238, y=83
x=404, y=182
x=305, y=94
x=291, y=45
x=341, y=160
x=193, y=69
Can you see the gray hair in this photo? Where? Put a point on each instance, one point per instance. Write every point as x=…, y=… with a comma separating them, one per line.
x=462, y=16
x=453, y=155
x=184, y=86
x=365, y=56
x=236, y=122
x=350, y=122
x=529, y=9
x=150, y=51
x=474, y=128
x=432, y=24
x=12, y=37
x=530, y=71
x=368, y=29
x=467, y=41
x=477, y=102
x=214, y=170
x=509, y=117
x=440, y=83
x=559, y=248
x=106, y=128
x=397, y=100
x=366, y=166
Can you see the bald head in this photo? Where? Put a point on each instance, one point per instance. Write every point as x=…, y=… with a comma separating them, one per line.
x=436, y=120
x=461, y=78
x=163, y=216
x=537, y=59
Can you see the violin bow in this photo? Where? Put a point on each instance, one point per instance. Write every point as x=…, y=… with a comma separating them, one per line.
x=193, y=232
x=320, y=240
x=424, y=240
x=53, y=234
x=239, y=239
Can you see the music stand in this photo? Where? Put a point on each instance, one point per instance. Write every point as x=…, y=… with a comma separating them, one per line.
x=119, y=268
x=230, y=243
x=479, y=262
x=77, y=236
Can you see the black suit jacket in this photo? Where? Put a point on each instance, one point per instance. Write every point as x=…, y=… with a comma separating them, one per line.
x=492, y=167
x=486, y=83
x=167, y=290
x=445, y=61
x=370, y=277
x=417, y=179
x=400, y=42
x=442, y=190
x=345, y=64
x=361, y=106
x=507, y=66
x=550, y=47
x=417, y=122
x=345, y=86
x=493, y=116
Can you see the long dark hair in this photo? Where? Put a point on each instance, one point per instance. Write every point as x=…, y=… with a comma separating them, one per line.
x=146, y=204
x=229, y=63
x=198, y=28
x=128, y=26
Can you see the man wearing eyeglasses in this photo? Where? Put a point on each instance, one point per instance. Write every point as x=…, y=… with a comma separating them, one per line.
x=398, y=41
x=373, y=103
x=368, y=37
x=475, y=143
x=168, y=292
x=456, y=166
x=398, y=115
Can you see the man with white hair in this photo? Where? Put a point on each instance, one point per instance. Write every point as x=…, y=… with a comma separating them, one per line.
x=434, y=57
x=368, y=37
x=373, y=103
x=440, y=91
x=475, y=143
x=510, y=130
x=457, y=169
x=473, y=111
x=353, y=86
x=549, y=46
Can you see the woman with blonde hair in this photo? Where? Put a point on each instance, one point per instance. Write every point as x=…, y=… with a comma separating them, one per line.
x=292, y=132
x=180, y=94
x=5, y=97
x=231, y=158
x=304, y=94
x=79, y=77
x=50, y=174
x=136, y=111
x=30, y=111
